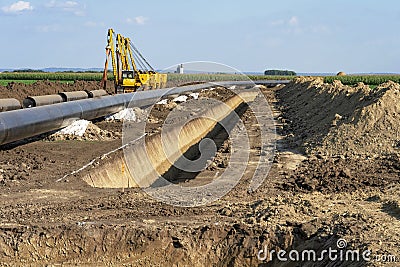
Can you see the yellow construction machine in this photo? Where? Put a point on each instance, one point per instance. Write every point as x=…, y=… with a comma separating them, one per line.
x=131, y=70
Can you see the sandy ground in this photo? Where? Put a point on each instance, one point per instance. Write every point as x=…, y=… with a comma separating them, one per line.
x=309, y=201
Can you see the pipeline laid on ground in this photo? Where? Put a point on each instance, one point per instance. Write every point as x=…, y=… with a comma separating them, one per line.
x=96, y=93
x=20, y=124
x=43, y=100
x=8, y=104
x=73, y=96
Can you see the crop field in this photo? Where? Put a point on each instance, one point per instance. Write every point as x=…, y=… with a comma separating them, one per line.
x=6, y=82
x=221, y=77
x=28, y=82
x=366, y=79
x=62, y=76
x=96, y=76
x=29, y=78
x=65, y=198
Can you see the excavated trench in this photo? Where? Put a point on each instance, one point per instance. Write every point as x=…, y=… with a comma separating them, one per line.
x=128, y=228
x=144, y=243
x=154, y=156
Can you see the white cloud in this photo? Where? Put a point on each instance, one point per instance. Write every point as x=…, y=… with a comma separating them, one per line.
x=70, y=4
x=63, y=5
x=139, y=20
x=67, y=6
x=48, y=28
x=294, y=21
x=79, y=13
x=293, y=25
x=17, y=7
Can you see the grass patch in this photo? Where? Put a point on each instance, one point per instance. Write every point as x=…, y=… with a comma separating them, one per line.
x=366, y=79
x=204, y=77
x=28, y=82
x=52, y=76
x=68, y=77
x=6, y=82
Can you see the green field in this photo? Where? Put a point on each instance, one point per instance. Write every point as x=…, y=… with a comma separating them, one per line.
x=31, y=77
x=71, y=76
x=57, y=76
x=221, y=77
x=6, y=82
x=367, y=79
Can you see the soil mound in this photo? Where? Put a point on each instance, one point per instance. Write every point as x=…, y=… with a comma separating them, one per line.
x=83, y=132
x=335, y=119
x=343, y=175
x=20, y=90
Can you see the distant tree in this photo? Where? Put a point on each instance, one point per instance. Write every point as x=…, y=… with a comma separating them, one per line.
x=280, y=72
x=28, y=70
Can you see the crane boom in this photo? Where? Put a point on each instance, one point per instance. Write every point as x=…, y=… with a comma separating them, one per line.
x=131, y=70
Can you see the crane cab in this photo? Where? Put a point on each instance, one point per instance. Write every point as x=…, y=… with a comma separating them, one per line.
x=127, y=83
x=131, y=81
x=127, y=74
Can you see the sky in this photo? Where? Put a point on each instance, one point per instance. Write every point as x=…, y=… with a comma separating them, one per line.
x=251, y=36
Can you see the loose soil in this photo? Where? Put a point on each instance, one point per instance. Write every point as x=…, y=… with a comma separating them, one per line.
x=329, y=180
x=20, y=91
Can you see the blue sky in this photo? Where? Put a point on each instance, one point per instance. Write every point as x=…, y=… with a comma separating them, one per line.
x=303, y=35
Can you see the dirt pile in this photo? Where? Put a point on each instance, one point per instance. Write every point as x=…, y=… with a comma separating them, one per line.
x=127, y=114
x=335, y=175
x=20, y=91
x=91, y=133
x=334, y=119
x=13, y=170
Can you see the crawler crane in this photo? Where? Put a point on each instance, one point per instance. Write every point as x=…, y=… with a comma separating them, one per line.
x=131, y=70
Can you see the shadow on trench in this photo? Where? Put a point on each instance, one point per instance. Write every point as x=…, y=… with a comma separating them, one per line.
x=218, y=135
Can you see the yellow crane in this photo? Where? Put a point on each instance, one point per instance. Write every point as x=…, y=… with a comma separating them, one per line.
x=131, y=70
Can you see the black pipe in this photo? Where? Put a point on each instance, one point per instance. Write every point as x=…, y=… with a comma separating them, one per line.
x=20, y=124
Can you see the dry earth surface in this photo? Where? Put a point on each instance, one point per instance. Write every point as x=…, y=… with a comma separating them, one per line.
x=335, y=175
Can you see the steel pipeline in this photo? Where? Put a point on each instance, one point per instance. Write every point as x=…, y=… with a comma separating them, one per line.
x=8, y=104
x=20, y=124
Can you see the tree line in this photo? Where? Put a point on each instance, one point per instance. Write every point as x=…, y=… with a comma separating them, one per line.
x=280, y=72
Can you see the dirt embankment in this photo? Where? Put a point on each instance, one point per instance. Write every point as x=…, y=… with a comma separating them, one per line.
x=338, y=120
x=20, y=91
x=350, y=134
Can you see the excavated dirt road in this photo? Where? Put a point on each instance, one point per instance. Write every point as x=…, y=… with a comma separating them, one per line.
x=316, y=193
